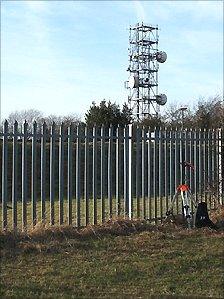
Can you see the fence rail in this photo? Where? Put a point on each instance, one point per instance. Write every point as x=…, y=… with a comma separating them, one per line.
x=80, y=175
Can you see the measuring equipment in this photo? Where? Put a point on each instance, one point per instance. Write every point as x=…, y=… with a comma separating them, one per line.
x=183, y=191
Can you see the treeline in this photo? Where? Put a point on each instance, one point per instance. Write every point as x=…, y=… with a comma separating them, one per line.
x=206, y=114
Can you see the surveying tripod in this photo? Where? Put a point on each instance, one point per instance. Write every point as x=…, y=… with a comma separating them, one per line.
x=184, y=192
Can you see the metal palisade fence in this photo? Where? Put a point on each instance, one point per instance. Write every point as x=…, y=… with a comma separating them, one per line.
x=81, y=175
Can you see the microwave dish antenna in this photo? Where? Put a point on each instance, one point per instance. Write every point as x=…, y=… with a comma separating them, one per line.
x=161, y=99
x=161, y=56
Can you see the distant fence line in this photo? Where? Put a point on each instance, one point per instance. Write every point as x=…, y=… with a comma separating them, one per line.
x=81, y=175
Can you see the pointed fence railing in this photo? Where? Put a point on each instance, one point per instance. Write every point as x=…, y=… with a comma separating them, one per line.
x=79, y=175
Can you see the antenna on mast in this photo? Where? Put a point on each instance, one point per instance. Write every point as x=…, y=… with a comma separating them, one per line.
x=144, y=59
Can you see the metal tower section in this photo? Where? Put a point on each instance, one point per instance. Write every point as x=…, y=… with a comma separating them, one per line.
x=144, y=59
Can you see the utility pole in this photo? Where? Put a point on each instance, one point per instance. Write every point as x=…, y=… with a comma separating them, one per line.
x=182, y=110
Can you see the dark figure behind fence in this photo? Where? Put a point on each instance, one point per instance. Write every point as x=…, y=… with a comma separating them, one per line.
x=202, y=218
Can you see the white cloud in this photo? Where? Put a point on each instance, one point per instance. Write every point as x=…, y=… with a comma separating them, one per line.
x=196, y=11
x=204, y=40
x=37, y=6
x=199, y=8
x=140, y=11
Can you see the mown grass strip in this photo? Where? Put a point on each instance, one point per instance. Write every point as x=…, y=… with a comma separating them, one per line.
x=108, y=209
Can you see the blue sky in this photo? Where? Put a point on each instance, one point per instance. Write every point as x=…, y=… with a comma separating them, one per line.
x=59, y=56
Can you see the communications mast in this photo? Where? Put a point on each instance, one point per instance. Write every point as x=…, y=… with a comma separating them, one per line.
x=144, y=59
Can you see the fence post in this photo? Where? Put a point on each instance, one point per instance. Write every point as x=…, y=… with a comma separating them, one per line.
x=14, y=176
x=200, y=164
x=43, y=172
x=102, y=173
x=126, y=198
x=95, y=175
x=220, y=178
x=172, y=166
x=177, y=161
x=143, y=173
x=160, y=159
x=155, y=172
x=214, y=169
x=86, y=174
x=129, y=149
x=110, y=142
x=118, y=201
x=209, y=182
x=149, y=181
x=24, y=177
x=61, y=174
x=78, y=155
x=222, y=162
x=33, y=183
x=70, y=160
x=204, y=157
x=166, y=166
x=191, y=159
x=205, y=153
x=52, y=173
x=181, y=156
x=137, y=167
x=4, y=175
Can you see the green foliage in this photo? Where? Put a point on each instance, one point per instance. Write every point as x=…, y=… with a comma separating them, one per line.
x=107, y=113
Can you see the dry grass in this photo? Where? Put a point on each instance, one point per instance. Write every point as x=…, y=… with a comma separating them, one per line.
x=44, y=234
x=217, y=216
x=44, y=238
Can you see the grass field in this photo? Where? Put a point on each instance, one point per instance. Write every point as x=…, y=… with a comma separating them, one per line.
x=153, y=209
x=83, y=211
x=121, y=259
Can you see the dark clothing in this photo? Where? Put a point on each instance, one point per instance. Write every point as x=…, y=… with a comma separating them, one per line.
x=202, y=218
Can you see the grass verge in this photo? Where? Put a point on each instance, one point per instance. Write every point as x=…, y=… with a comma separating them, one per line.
x=148, y=209
x=119, y=259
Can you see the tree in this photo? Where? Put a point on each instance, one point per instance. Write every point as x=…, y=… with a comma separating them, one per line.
x=32, y=115
x=29, y=116
x=66, y=120
x=126, y=115
x=152, y=122
x=175, y=116
x=210, y=113
x=107, y=113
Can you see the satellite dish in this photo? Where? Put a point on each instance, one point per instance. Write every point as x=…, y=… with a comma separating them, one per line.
x=161, y=99
x=161, y=56
x=133, y=82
